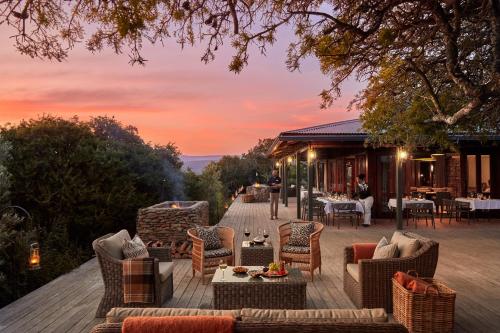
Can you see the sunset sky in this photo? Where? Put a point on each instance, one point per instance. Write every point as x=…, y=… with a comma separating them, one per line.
x=204, y=109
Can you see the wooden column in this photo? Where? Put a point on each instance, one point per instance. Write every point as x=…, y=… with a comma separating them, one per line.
x=284, y=188
x=310, y=170
x=297, y=184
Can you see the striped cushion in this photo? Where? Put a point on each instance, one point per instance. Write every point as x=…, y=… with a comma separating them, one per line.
x=134, y=248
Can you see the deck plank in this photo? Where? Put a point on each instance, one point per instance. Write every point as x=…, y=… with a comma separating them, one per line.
x=469, y=262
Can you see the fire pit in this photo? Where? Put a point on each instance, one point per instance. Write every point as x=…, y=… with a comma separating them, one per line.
x=259, y=191
x=169, y=221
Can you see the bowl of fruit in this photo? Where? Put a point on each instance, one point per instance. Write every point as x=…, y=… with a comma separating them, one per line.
x=275, y=270
x=240, y=270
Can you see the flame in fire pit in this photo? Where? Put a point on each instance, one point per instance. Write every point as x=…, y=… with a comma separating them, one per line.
x=257, y=185
x=174, y=205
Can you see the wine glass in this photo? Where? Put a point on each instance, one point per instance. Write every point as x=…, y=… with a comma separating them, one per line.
x=222, y=266
x=247, y=233
x=265, y=234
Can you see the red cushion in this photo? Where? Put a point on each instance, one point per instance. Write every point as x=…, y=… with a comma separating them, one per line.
x=414, y=284
x=363, y=251
x=178, y=324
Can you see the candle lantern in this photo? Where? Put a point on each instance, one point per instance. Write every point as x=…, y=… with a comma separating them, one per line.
x=34, y=259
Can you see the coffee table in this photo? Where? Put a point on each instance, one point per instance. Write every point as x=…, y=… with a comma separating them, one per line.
x=242, y=291
x=256, y=255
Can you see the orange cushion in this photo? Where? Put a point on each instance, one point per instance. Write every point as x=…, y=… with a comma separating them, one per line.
x=414, y=284
x=178, y=324
x=363, y=251
x=422, y=287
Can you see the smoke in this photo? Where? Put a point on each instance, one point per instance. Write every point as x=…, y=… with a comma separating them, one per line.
x=173, y=185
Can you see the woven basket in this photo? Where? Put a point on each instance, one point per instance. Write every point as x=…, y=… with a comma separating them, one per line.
x=424, y=313
x=248, y=198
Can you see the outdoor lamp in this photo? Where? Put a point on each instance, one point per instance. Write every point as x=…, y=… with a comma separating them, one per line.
x=289, y=159
x=311, y=154
x=278, y=164
x=402, y=154
x=34, y=259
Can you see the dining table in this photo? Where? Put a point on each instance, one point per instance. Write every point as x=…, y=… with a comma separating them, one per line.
x=393, y=202
x=330, y=204
x=481, y=204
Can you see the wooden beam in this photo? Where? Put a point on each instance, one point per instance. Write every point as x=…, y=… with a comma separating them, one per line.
x=297, y=184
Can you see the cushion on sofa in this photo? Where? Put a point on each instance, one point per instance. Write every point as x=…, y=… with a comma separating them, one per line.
x=353, y=270
x=296, y=249
x=300, y=232
x=166, y=269
x=222, y=252
x=407, y=246
x=117, y=315
x=210, y=237
x=113, y=245
x=318, y=315
x=134, y=248
x=384, y=250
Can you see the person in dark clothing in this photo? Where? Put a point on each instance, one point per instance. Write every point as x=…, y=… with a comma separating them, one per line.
x=275, y=183
x=364, y=194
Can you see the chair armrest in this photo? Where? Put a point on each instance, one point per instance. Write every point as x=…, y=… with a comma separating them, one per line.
x=198, y=246
x=348, y=256
x=107, y=328
x=164, y=254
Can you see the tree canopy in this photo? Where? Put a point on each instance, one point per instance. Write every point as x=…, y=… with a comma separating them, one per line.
x=441, y=58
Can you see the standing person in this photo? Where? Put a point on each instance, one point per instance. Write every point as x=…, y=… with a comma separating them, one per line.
x=365, y=196
x=275, y=183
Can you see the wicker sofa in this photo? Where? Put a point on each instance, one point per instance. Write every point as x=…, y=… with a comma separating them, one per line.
x=108, y=251
x=284, y=321
x=372, y=287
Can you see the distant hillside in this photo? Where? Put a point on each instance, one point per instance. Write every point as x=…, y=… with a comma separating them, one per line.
x=197, y=163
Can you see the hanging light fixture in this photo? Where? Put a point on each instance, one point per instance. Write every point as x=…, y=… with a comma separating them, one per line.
x=311, y=155
x=34, y=259
x=277, y=164
x=289, y=159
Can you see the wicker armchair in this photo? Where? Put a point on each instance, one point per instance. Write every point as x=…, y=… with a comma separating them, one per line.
x=208, y=264
x=372, y=288
x=307, y=261
x=111, y=263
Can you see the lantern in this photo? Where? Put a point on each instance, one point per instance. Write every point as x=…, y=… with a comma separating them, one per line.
x=278, y=164
x=311, y=155
x=402, y=154
x=34, y=259
x=289, y=159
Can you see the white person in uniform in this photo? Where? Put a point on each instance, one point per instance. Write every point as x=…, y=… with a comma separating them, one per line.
x=364, y=195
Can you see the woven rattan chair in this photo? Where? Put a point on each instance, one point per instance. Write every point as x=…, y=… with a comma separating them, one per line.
x=204, y=264
x=112, y=274
x=306, y=261
x=373, y=286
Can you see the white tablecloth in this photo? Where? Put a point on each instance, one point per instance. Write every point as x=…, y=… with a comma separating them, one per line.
x=330, y=204
x=487, y=204
x=303, y=193
x=392, y=202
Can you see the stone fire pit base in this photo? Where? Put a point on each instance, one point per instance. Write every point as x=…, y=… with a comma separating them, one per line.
x=260, y=193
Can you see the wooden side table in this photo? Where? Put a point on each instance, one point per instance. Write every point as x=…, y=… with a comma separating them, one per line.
x=256, y=255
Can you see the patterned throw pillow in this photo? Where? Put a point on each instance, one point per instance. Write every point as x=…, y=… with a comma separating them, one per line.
x=210, y=237
x=134, y=248
x=300, y=234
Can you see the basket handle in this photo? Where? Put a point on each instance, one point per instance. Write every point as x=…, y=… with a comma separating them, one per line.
x=432, y=285
x=412, y=272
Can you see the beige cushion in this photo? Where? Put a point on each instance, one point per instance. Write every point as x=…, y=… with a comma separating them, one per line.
x=384, y=250
x=319, y=315
x=134, y=248
x=407, y=246
x=113, y=245
x=166, y=268
x=353, y=270
x=117, y=315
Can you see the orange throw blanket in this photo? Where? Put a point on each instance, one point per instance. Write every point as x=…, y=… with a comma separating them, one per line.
x=415, y=284
x=179, y=324
x=363, y=251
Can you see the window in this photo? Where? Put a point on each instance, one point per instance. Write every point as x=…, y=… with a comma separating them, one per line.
x=471, y=173
x=485, y=174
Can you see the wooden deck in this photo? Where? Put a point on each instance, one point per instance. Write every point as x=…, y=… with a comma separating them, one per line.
x=469, y=263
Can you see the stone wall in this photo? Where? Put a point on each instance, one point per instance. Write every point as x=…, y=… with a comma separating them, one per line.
x=165, y=223
x=260, y=193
